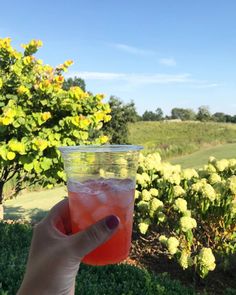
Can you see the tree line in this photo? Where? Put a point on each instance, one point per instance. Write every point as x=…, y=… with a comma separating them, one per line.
x=124, y=113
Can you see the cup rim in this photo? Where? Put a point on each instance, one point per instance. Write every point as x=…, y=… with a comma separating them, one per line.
x=106, y=148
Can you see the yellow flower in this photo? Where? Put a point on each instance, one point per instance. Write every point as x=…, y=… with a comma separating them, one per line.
x=46, y=115
x=40, y=144
x=11, y=155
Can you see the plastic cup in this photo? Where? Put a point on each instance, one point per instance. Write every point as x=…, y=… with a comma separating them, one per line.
x=101, y=182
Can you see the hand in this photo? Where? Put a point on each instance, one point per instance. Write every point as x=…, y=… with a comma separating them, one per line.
x=55, y=254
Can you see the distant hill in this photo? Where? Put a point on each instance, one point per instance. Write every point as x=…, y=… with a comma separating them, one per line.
x=172, y=139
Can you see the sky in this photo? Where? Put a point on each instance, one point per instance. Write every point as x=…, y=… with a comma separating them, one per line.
x=169, y=53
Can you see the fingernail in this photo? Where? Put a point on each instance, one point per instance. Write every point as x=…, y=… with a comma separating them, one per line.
x=112, y=222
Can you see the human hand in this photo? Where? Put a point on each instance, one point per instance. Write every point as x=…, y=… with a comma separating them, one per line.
x=55, y=254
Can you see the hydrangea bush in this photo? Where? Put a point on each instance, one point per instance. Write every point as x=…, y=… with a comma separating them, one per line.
x=192, y=212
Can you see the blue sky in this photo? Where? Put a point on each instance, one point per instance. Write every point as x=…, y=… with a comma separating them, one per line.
x=158, y=53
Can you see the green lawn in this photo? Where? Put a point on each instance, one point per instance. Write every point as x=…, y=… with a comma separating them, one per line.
x=199, y=158
x=33, y=205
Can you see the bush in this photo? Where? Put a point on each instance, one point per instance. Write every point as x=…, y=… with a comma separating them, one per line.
x=193, y=212
x=37, y=116
x=115, y=279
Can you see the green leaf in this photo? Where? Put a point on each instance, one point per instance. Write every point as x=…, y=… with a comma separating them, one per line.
x=28, y=167
x=46, y=164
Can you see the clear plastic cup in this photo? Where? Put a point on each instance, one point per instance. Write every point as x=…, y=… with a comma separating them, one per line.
x=101, y=182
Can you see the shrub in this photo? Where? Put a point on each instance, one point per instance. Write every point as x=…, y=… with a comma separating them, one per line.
x=37, y=116
x=193, y=212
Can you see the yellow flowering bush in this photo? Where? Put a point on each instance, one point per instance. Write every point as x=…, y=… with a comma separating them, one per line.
x=192, y=212
x=37, y=115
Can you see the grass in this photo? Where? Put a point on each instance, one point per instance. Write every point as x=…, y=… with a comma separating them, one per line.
x=200, y=158
x=33, y=206
x=179, y=138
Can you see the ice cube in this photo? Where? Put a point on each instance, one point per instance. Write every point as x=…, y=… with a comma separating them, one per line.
x=101, y=197
x=101, y=212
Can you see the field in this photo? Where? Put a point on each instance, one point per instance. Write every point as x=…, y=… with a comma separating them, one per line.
x=173, y=139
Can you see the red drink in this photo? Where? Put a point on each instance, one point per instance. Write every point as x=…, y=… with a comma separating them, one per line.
x=93, y=200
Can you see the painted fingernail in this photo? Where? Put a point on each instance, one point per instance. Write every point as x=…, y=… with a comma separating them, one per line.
x=112, y=222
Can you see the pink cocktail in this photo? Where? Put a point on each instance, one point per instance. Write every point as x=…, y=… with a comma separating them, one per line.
x=95, y=199
x=101, y=182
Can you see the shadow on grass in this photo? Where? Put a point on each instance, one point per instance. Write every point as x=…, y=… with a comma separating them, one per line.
x=19, y=212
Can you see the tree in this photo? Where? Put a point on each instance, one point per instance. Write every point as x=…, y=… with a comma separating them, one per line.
x=159, y=114
x=151, y=116
x=71, y=82
x=219, y=117
x=204, y=114
x=37, y=116
x=121, y=115
x=183, y=114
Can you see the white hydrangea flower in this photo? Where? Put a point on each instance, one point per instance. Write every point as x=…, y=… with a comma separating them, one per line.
x=232, y=163
x=187, y=223
x=181, y=204
x=174, y=178
x=231, y=182
x=172, y=245
x=209, y=192
x=154, y=192
x=209, y=168
x=221, y=165
x=156, y=204
x=189, y=173
x=212, y=159
x=163, y=239
x=152, y=161
x=185, y=260
x=207, y=259
x=121, y=161
x=143, y=226
x=214, y=178
x=178, y=191
x=146, y=196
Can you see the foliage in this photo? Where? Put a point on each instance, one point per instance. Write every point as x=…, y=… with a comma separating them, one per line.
x=203, y=114
x=115, y=279
x=183, y=114
x=37, y=116
x=194, y=212
x=151, y=116
x=121, y=114
x=71, y=82
x=178, y=138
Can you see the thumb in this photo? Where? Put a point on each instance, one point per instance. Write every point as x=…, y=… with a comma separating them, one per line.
x=98, y=233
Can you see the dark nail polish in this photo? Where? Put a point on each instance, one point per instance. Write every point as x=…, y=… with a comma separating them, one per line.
x=112, y=222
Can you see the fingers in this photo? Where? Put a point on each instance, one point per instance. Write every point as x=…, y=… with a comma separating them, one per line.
x=59, y=216
x=89, y=239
